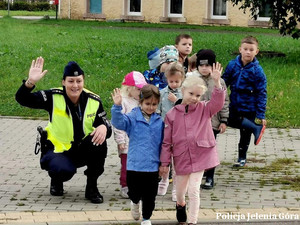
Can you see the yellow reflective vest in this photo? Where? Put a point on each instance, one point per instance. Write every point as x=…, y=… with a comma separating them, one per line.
x=60, y=128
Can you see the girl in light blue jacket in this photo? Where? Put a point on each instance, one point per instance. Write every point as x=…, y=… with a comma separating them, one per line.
x=144, y=128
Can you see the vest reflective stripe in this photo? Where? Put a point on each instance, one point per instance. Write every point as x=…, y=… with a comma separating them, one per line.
x=60, y=129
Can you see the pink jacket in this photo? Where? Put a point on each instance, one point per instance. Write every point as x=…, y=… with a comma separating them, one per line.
x=188, y=135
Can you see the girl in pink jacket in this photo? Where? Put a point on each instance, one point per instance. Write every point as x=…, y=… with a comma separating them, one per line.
x=188, y=136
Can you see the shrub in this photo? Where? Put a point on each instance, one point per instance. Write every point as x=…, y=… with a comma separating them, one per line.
x=26, y=6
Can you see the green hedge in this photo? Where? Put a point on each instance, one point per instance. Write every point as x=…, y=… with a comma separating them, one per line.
x=25, y=6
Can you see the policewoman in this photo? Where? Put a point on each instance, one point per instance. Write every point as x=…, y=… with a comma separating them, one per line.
x=77, y=129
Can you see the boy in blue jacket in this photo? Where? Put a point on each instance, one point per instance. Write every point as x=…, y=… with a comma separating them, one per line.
x=248, y=98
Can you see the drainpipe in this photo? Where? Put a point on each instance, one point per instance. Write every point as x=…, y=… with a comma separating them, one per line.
x=69, y=9
x=59, y=2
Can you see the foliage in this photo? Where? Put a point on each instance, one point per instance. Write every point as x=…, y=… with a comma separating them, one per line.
x=285, y=14
x=26, y=6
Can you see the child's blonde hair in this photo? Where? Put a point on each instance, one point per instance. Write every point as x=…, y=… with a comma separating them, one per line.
x=194, y=80
x=125, y=90
x=250, y=40
x=173, y=68
x=149, y=91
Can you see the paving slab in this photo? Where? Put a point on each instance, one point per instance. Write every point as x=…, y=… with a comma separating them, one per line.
x=25, y=197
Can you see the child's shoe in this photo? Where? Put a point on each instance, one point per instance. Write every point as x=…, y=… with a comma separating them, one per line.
x=146, y=222
x=240, y=163
x=209, y=184
x=181, y=213
x=135, y=210
x=124, y=192
x=256, y=129
x=163, y=186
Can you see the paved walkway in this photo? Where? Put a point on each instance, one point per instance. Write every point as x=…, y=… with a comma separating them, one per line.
x=255, y=191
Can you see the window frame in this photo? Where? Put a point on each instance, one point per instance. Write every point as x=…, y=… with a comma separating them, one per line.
x=129, y=13
x=262, y=18
x=212, y=16
x=175, y=15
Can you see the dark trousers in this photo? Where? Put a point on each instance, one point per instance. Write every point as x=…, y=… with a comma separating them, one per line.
x=143, y=186
x=211, y=172
x=62, y=166
x=235, y=120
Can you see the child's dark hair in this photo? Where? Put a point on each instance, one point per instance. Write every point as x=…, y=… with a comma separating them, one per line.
x=173, y=68
x=181, y=36
x=249, y=40
x=149, y=91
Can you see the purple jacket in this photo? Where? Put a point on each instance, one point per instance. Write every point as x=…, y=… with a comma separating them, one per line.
x=188, y=135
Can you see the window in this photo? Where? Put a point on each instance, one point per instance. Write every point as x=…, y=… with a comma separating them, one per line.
x=134, y=7
x=175, y=8
x=218, y=9
x=96, y=6
x=264, y=13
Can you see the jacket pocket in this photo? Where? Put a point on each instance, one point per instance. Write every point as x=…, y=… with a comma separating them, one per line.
x=206, y=143
x=178, y=149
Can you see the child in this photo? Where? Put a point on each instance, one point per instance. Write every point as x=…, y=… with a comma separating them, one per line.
x=188, y=136
x=192, y=63
x=145, y=131
x=184, y=44
x=154, y=58
x=205, y=59
x=156, y=76
x=130, y=90
x=248, y=97
x=168, y=96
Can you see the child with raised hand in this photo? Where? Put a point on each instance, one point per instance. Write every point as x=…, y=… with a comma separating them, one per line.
x=168, y=96
x=248, y=96
x=189, y=138
x=130, y=91
x=144, y=128
x=205, y=58
x=184, y=44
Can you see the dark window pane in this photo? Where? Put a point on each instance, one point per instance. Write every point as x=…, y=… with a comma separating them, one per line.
x=219, y=8
x=264, y=11
x=135, y=5
x=176, y=6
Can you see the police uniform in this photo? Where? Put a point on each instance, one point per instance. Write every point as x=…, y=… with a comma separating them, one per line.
x=69, y=144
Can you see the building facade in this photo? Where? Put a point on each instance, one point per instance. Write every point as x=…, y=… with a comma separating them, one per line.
x=200, y=12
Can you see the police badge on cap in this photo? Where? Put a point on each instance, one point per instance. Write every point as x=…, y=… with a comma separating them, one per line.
x=72, y=70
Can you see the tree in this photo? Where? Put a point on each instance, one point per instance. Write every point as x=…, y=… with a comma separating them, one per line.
x=285, y=14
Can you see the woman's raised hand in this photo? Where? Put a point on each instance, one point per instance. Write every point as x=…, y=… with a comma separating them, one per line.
x=36, y=70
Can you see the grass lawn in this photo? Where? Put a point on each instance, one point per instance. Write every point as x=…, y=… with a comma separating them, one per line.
x=108, y=51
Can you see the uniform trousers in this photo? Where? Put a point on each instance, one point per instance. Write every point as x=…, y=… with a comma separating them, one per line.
x=62, y=166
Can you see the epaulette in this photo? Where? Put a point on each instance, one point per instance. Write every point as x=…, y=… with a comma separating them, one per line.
x=92, y=95
x=57, y=90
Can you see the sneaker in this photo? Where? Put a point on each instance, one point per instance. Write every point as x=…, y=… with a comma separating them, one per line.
x=135, y=210
x=181, y=213
x=163, y=187
x=146, y=222
x=174, y=198
x=240, y=163
x=256, y=142
x=124, y=192
x=209, y=184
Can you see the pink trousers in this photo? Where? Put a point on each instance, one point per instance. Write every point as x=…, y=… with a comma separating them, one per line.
x=191, y=184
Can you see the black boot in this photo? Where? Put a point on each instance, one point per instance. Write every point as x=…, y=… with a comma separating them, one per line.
x=256, y=129
x=181, y=213
x=91, y=191
x=56, y=188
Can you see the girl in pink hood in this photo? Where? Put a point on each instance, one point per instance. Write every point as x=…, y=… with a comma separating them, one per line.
x=188, y=136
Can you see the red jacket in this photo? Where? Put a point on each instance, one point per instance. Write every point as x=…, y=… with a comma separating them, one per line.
x=188, y=135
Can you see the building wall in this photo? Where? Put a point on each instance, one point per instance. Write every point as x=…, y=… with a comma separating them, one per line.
x=155, y=11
